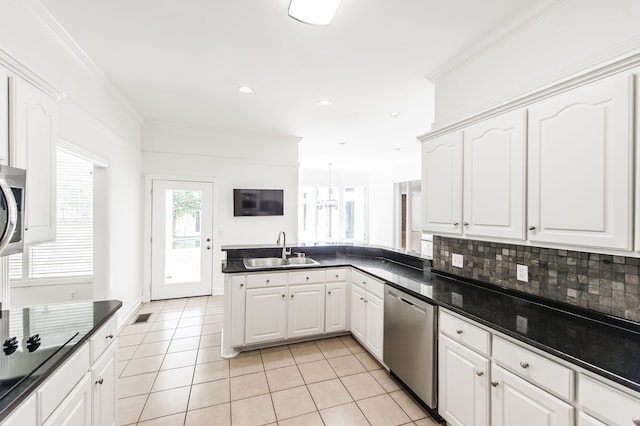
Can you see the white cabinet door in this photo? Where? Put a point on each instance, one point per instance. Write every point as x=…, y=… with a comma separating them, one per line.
x=104, y=378
x=25, y=415
x=266, y=314
x=374, y=324
x=442, y=184
x=358, y=317
x=580, y=166
x=463, y=384
x=586, y=420
x=515, y=401
x=34, y=148
x=75, y=410
x=494, y=177
x=336, y=307
x=238, y=294
x=306, y=310
x=4, y=117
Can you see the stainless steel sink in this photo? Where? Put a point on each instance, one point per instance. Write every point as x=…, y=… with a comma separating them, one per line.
x=276, y=262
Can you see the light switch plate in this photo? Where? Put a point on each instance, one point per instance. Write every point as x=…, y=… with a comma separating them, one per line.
x=457, y=260
x=522, y=273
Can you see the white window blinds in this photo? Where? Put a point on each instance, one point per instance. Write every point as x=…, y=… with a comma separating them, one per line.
x=71, y=255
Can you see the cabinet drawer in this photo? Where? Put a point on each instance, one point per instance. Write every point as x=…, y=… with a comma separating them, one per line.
x=103, y=338
x=606, y=402
x=333, y=275
x=266, y=280
x=58, y=386
x=535, y=368
x=465, y=332
x=368, y=283
x=308, y=276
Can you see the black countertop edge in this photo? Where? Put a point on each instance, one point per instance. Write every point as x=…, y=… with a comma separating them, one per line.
x=106, y=309
x=624, y=324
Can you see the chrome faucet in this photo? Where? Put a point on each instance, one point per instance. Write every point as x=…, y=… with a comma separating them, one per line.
x=284, y=245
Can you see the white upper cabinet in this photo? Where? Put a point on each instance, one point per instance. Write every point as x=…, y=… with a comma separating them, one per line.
x=4, y=117
x=494, y=177
x=33, y=147
x=442, y=184
x=581, y=166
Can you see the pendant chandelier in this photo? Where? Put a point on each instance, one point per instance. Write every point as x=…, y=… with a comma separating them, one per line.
x=330, y=202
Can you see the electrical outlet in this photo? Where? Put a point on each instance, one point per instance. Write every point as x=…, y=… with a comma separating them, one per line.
x=522, y=324
x=74, y=295
x=457, y=260
x=522, y=273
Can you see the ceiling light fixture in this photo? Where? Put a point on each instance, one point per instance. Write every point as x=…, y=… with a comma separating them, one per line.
x=342, y=143
x=324, y=103
x=245, y=89
x=314, y=12
x=394, y=114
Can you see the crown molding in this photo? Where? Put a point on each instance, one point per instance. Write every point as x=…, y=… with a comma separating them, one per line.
x=18, y=68
x=571, y=79
x=57, y=33
x=495, y=38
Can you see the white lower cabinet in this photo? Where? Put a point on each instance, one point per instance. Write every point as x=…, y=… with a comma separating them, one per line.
x=463, y=385
x=358, y=316
x=336, y=307
x=306, y=310
x=75, y=409
x=586, y=420
x=266, y=314
x=25, y=415
x=515, y=401
x=374, y=325
x=104, y=378
x=611, y=405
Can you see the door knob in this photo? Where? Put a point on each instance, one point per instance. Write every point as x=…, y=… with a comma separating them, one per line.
x=524, y=364
x=208, y=240
x=479, y=373
x=208, y=247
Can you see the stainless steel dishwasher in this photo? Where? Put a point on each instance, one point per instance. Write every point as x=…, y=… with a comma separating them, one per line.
x=410, y=342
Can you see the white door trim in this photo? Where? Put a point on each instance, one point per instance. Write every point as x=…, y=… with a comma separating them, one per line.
x=148, y=181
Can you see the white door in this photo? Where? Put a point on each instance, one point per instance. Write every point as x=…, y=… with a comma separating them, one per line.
x=442, y=184
x=306, y=310
x=181, y=235
x=266, y=314
x=374, y=324
x=463, y=384
x=581, y=166
x=494, y=177
x=515, y=401
x=336, y=307
x=358, y=318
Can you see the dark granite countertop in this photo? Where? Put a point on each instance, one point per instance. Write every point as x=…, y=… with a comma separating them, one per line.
x=606, y=345
x=84, y=318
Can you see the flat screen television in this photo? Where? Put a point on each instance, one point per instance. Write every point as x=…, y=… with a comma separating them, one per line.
x=258, y=202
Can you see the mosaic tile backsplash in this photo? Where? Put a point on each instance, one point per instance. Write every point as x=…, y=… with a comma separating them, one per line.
x=603, y=283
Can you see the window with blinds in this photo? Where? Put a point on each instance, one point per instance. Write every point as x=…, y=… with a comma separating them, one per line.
x=71, y=255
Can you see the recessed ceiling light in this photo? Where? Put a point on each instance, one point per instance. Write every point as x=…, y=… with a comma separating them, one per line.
x=324, y=103
x=245, y=89
x=314, y=12
x=342, y=143
x=394, y=114
x=397, y=148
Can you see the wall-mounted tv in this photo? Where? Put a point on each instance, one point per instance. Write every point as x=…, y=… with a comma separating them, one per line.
x=258, y=202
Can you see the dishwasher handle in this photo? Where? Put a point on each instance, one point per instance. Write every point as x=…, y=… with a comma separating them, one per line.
x=408, y=302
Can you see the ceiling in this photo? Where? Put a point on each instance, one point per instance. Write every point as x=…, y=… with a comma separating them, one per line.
x=183, y=61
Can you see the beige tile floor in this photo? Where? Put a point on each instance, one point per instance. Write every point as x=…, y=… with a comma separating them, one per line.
x=171, y=373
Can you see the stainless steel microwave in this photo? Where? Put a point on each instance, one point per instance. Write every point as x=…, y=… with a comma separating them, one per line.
x=12, y=197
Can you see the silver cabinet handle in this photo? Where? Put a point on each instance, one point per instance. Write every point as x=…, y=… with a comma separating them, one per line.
x=364, y=283
x=456, y=223
x=532, y=228
x=329, y=292
x=306, y=278
x=337, y=276
x=524, y=364
x=365, y=301
x=268, y=281
x=99, y=382
x=208, y=247
x=109, y=336
x=283, y=296
x=479, y=373
x=459, y=331
x=466, y=223
x=362, y=298
x=242, y=285
x=495, y=384
x=636, y=421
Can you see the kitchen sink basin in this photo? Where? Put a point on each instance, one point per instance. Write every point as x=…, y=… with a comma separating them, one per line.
x=276, y=262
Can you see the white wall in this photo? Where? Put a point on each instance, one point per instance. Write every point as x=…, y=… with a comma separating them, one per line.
x=232, y=160
x=573, y=37
x=94, y=116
